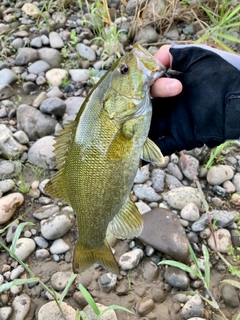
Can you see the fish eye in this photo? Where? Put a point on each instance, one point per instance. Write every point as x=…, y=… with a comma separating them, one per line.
x=124, y=69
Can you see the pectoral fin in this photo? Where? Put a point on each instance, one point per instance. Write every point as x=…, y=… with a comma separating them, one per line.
x=151, y=152
x=128, y=223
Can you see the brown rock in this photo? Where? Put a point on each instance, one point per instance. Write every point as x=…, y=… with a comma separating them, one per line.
x=163, y=231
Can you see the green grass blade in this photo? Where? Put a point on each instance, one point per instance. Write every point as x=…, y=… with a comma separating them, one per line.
x=232, y=282
x=16, y=282
x=211, y=303
x=210, y=14
x=182, y=266
x=228, y=37
x=18, y=233
x=195, y=260
x=83, y=315
x=206, y=265
x=70, y=282
x=89, y=300
x=233, y=14
x=231, y=25
x=223, y=45
x=113, y=306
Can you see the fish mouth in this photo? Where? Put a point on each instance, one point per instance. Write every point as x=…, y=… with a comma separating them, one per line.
x=151, y=67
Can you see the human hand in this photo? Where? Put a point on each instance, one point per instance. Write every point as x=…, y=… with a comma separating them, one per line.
x=207, y=110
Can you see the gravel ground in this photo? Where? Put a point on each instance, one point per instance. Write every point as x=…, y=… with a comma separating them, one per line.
x=48, y=64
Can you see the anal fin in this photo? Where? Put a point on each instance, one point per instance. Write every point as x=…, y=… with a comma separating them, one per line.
x=128, y=223
x=151, y=152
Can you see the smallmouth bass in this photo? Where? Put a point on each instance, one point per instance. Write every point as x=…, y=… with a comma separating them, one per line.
x=98, y=155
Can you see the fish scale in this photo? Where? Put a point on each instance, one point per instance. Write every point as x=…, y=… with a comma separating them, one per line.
x=99, y=153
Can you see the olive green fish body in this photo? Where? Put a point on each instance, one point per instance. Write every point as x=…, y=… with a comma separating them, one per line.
x=98, y=156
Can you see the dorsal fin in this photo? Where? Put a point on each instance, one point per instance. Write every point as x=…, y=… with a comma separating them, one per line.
x=56, y=187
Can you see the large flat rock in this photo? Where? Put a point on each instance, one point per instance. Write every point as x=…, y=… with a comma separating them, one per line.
x=163, y=231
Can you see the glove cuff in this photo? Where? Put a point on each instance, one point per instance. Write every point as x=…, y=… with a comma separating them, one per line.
x=232, y=116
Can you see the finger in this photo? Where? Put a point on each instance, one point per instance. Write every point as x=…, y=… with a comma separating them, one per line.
x=164, y=56
x=166, y=87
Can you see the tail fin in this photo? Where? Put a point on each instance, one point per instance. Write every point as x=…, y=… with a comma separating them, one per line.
x=85, y=257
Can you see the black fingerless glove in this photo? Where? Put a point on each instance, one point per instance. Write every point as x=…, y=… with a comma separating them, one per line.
x=207, y=111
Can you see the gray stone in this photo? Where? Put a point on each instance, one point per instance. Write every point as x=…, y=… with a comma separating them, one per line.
x=144, y=306
x=131, y=259
x=41, y=242
x=190, y=212
x=51, y=56
x=3, y=112
x=56, y=76
x=59, y=246
x=42, y=254
x=59, y=280
x=86, y=52
x=193, y=307
x=79, y=75
x=57, y=225
x=41, y=80
x=41, y=153
x=107, y=281
x=229, y=295
x=17, y=272
x=45, y=211
x=229, y=186
x=146, y=34
x=174, y=169
x=145, y=192
x=108, y=315
x=34, y=123
x=50, y=311
x=5, y=313
x=26, y=55
x=21, y=137
x=24, y=248
x=177, y=278
x=172, y=182
x=157, y=177
x=172, y=34
x=179, y=197
x=193, y=162
x=55, y=92
x=6, y=91
x=45, y=40
x=142, y=207
x=73, y=105
x=38, y=67
x=7, y=76
x=163, y=231
x=223, y=240
x=236, y=181
x=142, y=174
x=36, y=42
x=9, y=169
x=219, y=174
x=6, y=185
x=29, y=87
x=53, y=106
x=17, y=43
x=60, y=19
x=21, y=306
x=56, y=41
x=223, y=219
